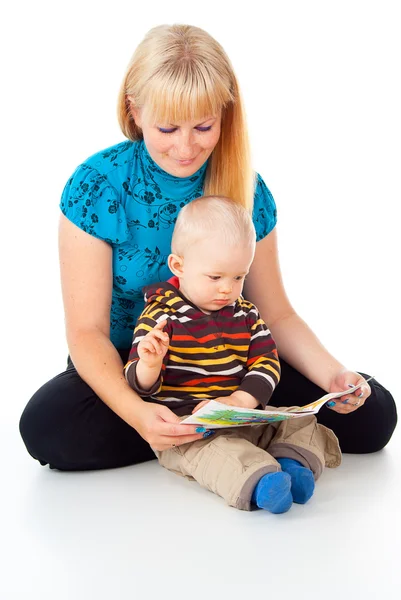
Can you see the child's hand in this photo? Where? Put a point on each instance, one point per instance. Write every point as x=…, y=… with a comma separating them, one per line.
x=243, y=399
x=153, y=347
x=238, y=398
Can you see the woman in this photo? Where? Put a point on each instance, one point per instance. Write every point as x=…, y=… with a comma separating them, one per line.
x=181, y=110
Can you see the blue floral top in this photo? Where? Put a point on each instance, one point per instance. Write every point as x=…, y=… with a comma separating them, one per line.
x=123, y=197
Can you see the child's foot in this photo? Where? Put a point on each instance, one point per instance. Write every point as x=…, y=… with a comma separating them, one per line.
x=273, y=492
x=302, y=480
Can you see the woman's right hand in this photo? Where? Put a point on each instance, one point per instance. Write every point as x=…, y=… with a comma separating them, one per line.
x=161, y=428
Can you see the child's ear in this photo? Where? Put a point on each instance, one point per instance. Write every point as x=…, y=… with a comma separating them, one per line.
x=176, y=265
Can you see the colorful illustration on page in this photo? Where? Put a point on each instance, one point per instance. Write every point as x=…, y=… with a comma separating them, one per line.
x=216, y=414
x=233, y=417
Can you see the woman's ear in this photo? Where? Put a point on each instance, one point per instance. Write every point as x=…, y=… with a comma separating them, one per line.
x=135, y=112
x=176, y=265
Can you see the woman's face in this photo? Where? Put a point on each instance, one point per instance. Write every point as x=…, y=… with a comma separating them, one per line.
x=179, y=148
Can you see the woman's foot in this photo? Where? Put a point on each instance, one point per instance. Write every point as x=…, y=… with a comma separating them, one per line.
x=302, y=480
x=273, y=492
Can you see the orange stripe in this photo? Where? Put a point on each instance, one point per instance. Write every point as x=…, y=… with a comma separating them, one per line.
x=208, y=380
x=190, y=338
x=211, y=336
x=237, y=336
x=250, y=361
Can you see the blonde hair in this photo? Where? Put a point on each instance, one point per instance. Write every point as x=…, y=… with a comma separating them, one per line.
x=181, y=73
x=209, y=216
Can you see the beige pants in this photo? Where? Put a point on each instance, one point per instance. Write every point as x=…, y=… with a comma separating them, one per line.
x=231, y=462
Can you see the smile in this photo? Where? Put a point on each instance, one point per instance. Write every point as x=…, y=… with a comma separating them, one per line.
x=186, y=161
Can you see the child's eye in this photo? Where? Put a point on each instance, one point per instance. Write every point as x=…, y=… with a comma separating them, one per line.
x=239, y=278
x=214, y=277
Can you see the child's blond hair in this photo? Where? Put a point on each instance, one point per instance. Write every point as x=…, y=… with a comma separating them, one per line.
x=209, y=216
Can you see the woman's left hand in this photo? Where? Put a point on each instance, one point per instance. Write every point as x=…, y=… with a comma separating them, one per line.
x=349, y=402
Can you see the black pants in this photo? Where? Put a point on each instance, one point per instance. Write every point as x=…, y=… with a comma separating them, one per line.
x=68, y=427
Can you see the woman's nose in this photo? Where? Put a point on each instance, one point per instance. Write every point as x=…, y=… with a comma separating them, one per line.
x=185, y=146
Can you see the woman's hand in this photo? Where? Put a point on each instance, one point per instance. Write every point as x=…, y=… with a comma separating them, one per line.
x=161, y=428
x=349, y=402
x=153, y=347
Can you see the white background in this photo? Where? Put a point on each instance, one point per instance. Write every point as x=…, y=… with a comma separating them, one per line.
x=321, y=82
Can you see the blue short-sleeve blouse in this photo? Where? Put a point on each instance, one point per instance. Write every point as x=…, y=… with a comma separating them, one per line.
x=123, y=197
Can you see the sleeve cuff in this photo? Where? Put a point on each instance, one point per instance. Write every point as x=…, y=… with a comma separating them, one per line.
x=258, y=387
x=130, y=376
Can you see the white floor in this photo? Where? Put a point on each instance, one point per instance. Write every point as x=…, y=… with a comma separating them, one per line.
x=142, y=531
x=325, y=127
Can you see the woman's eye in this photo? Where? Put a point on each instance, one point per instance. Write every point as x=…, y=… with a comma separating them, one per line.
x=201, y=129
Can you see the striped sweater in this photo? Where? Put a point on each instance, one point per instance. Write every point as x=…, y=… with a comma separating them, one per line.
x=208, y=355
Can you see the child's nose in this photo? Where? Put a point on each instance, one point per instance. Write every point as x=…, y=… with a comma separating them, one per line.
x=226, y=288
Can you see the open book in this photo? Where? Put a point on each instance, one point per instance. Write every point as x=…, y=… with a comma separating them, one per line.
x=216, y=414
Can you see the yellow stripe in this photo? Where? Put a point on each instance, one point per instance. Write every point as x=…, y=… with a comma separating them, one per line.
x=171, y=301
x=153, y=306
x=203, y=350
x=145, y=327
x=197, y=389
x=216, y=361
x=268, y=368
x=245, y=303
x=239, y=348
x=200, y=396
x=276, y=373
x=130, y=362
x=258, y=322
x=266, y=359
x=155, y=311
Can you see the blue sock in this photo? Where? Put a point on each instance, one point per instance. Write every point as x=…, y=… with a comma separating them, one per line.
x=302, y=480
x=273, y=492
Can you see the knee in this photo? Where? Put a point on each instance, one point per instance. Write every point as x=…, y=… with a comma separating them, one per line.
x=35, y=422
x=29, y=430
x=384, y=417
x=24, y=424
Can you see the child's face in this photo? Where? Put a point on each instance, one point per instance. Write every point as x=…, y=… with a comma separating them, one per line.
x=213, y=273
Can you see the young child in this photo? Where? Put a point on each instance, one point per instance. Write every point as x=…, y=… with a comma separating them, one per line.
x=197, y=340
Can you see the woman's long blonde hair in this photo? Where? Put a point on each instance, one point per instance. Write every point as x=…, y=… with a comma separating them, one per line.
x=181, y=73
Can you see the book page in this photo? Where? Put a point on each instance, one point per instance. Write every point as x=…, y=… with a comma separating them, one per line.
x=217, y=414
